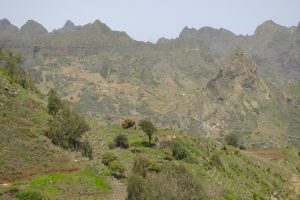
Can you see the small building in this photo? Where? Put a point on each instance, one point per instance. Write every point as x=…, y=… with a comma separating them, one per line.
x=162, y=141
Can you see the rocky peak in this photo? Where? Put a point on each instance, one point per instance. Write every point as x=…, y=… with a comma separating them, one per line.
x=189, y=33
x=237, y=71
x=163, y=40
x=68, y=27
x=239, y=62
x=5, y=25
x=69, y=23
x=98, y=24
x=33, y=28
x=267, y=28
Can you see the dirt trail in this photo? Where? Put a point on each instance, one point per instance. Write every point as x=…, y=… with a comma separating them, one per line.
x=119, y=190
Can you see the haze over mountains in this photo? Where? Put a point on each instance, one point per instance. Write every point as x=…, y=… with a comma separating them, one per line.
x=209, y=81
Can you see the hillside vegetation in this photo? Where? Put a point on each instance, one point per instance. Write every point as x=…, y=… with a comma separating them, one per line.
x=82, y=110
x=29, y=161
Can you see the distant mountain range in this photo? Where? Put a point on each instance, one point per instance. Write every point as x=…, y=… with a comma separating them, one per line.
x=209, y=81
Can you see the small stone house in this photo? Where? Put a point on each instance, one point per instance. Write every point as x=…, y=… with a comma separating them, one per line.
x=162, y=141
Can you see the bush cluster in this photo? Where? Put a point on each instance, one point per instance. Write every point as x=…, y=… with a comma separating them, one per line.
x=116, y=167
x=179, y=151
x=235, y=140
x=173, y=182
x=66, y=127
x=121, y=140
x=108, y=157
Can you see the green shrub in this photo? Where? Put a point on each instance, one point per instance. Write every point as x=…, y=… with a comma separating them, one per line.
x=111, y=145
x=179, y=151
x=108, y=157
x=54, y=102
x=168, y=154
x=135, y=188
x=141, y=166
x=217, y=161
x=233, y=140
x=148, y=127
x=29, y=195
x=121, y=140
x=257, y=196
x=86, y=149
x=66, y=128
x=117, y=169
x=154, y=166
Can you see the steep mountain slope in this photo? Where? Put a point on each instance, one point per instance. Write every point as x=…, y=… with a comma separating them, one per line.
x=239, y=101
x=108, y=75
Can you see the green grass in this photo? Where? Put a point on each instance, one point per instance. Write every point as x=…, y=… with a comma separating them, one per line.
x=83, y=184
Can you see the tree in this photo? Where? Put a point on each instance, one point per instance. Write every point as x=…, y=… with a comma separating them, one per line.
x=148, y=127
x=54, y=102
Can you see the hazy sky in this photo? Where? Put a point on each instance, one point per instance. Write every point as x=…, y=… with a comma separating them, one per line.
x=149, y=20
